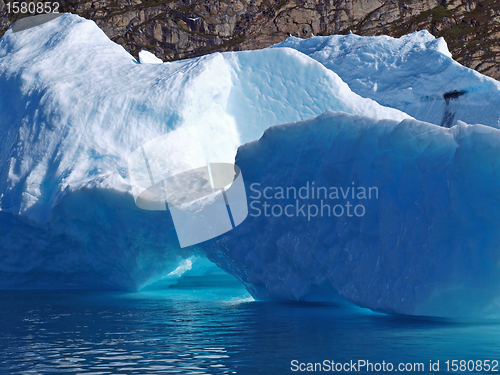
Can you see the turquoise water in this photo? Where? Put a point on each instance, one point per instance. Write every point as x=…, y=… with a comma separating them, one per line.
x=215, y=330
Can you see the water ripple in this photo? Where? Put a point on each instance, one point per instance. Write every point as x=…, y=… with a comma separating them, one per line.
x=148, y=333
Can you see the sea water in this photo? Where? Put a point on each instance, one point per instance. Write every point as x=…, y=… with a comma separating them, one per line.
x=218, y=330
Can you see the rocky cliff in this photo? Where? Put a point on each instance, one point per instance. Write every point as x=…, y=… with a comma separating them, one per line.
x=177, y=29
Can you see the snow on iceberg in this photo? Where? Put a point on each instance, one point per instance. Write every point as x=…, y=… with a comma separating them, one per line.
x=412, y=224
x=415, y=74
x=146, y=57
x=74, y=105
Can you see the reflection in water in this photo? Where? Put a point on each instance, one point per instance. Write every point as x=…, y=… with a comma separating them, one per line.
x=213, y=332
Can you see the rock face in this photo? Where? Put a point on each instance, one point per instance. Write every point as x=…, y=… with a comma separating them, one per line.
x=177, y=29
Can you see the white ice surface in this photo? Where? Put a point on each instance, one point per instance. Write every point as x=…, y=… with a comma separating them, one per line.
x=411, y=73
x=146, y=57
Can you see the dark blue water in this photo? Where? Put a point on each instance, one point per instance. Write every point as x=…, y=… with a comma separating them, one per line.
x=215, y=331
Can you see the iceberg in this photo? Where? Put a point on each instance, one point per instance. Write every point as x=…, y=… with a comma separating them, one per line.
x=74, y=106
x=411, y=223
x=415, y=74
x=398, y=217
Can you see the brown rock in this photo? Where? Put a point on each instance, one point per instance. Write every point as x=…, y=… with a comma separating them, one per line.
x=175, y=29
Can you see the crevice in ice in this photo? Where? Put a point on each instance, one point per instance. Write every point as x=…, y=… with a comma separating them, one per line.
x=450, y=110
